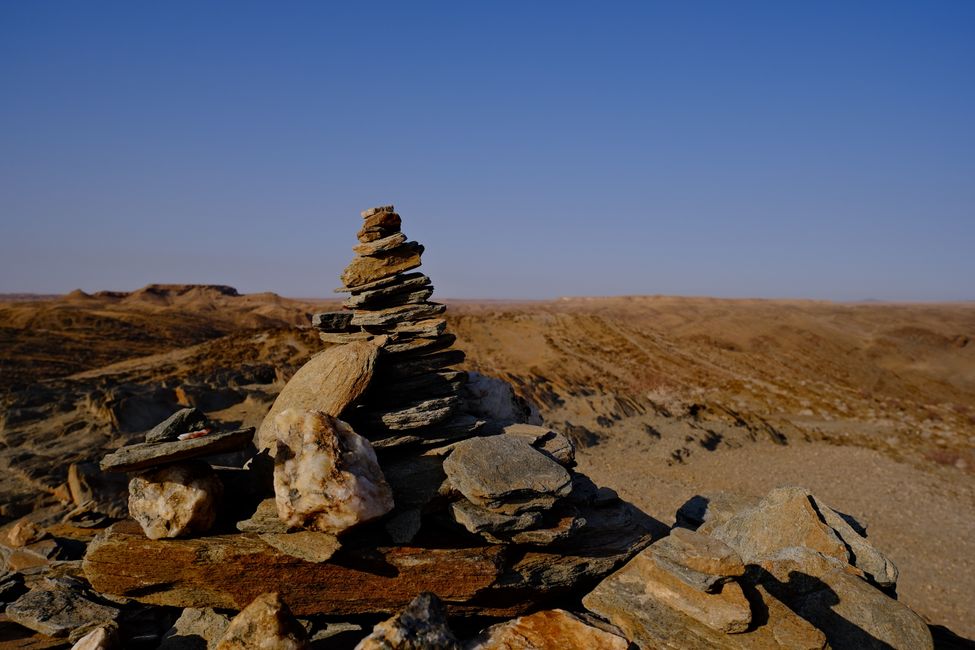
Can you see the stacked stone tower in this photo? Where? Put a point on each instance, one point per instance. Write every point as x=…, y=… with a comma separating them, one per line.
x=415, y=394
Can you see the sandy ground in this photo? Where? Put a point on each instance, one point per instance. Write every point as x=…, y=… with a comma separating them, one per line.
x=924, y=520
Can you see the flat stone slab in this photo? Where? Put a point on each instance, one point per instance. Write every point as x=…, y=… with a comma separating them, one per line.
x=363, y=270
x=229, y=571
x=145, y=455
x=398, y=314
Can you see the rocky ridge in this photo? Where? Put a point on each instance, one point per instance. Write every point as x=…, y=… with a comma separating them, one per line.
x=487, y=512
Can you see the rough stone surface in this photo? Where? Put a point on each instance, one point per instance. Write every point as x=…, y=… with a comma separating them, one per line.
x=60, y=609
x=381, y=209
x=422, y=625
x=379, y=225
x=326, y=476
x=726, y=611
x=195, y=629
x=98, y=491
x=554, y=629
x=380, y=245
x=264, y=520
x=25, y=532
x=398, y=314
x=406, y=284
x=332, y=321
x=702, y=562
x=792, y=517
x=851, y=612
x=549, y=442
x=329, y=383
x=365, y=269
x=134, y=458
x=175, y=500
x=418, y=345
x=479, y=520
x=415, y=416
x=308, y=545
x=265, y=623
x=506, y=473
x=705, y=512
x=182, y=421
x=227, y=571
x=420, y=364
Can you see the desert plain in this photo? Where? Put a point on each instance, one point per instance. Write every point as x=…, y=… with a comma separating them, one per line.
x=869, y=405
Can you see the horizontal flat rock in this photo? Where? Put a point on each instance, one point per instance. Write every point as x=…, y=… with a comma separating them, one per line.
x=365, y=269
x=388, y=209
x=461, y=427
x=342, y=338
x=379, y=284
x=401, y=367
x=332, y=321
x=142, y=456
x=379, y=245
x=398, y=314
x=406, y=283
x=416, y=297
x=229, y=571
x=401, y=345
x=414, y=416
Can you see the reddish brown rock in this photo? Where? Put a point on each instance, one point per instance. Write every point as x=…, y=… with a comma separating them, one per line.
x=554, y=629
x=365, y=269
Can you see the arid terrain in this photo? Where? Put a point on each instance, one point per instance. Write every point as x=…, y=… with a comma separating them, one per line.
x=871, y=405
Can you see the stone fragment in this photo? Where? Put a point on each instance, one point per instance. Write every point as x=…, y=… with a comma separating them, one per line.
x=398, y=314
x=264, y=520
x=310, y=546
x=415, y=416
x=332, y=321
x=181, y=422
x=421, y=345
x=480, y=520
x=265, y=623
x=60, y=608
x=554, y=629
x=133, y=458
x=103, y=638
x=195, y=629
x=644, y=582
x=567, y=523
x=381, y=283
x=702, y=562
x=792, y=516
x=25, y=532
x=341, y=338
x=175, y=500
x=430, y=328
x=379, y=226
x=380, y=245
x=417, y=297
x=712, y=510
x=506, y=473
x=11, y=587
x=35, y=554
x=421, y=625
x=96, y=491
x=326, y=476
x=549, y=442
x=427, y=385
x=495, y=400
x=330, y=382
x=363, y=270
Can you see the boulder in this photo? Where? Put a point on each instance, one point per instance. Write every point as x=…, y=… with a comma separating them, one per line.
x=326, y=476
x=421, y=625
x=265, y=623
x=330, y=382
x=507, y=474
x=554, y=629
x=175, y=500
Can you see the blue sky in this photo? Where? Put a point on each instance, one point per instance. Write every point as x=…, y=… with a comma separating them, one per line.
x=538, y=149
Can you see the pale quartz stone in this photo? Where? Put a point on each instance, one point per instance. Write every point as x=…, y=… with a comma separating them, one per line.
x=326, y=476
x=175, y=500
x=265, y=623
x=102, y=638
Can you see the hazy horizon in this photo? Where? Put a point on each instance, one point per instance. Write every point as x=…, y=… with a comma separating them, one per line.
x=756, y=150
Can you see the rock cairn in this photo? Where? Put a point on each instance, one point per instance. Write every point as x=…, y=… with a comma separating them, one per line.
x=415, y=394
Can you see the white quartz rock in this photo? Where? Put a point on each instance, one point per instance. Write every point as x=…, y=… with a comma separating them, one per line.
x=175, y=500
x=326, y=476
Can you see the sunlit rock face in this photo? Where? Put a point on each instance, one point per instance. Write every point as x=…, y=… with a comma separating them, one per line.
x=175, y=500
x=265, y=623
x=326, y=476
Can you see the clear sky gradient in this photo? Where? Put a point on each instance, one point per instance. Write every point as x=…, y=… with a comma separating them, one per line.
x=537, y=149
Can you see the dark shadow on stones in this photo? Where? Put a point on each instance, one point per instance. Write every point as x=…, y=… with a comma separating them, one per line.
x=945, y=639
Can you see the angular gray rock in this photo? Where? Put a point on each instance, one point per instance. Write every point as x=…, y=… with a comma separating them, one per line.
x=181, y=422
x=703, y=562
x=548, y=441
x=398, y=314
x=421, y=625
x=195, y=629
x=506, y=473
x=332, y=321
x=61, y=608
